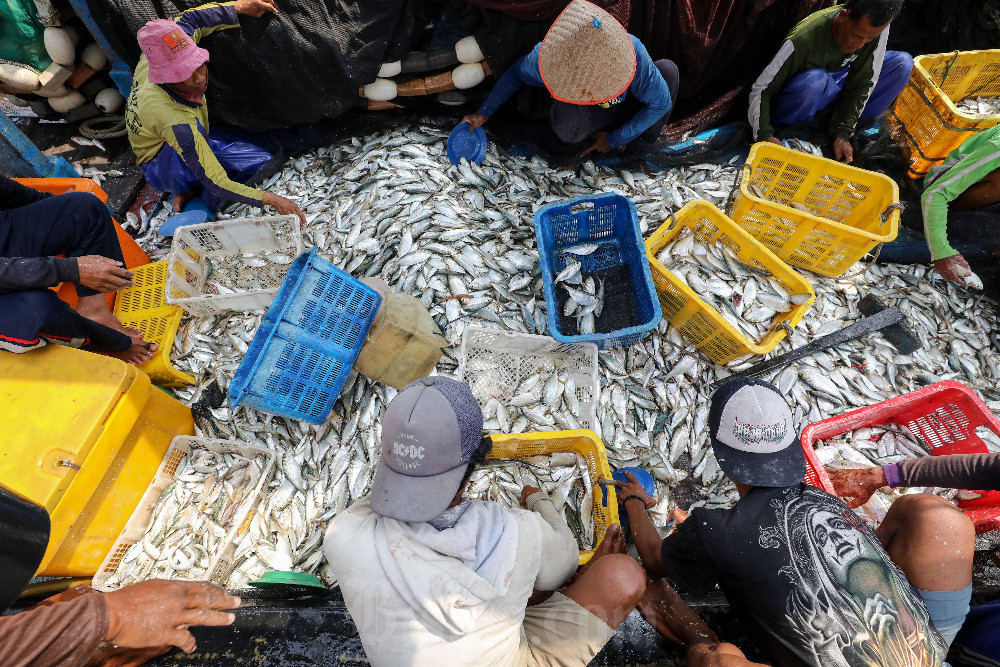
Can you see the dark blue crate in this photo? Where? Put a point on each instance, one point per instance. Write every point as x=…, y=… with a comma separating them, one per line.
x=307, y=342
x=611, y=221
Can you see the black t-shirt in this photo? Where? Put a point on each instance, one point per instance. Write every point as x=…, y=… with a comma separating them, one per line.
x=810, y=575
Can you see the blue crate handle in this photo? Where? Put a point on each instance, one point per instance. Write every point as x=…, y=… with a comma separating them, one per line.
x=306, y=259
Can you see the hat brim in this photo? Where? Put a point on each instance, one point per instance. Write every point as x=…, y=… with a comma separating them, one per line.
x=413, y=498
x=182, y=68
x=786, y=467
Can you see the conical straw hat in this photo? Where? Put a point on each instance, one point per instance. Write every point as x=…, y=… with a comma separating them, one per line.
x=587, y=56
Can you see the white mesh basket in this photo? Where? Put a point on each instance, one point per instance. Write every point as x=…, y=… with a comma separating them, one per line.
x=494, y=363
x=231, y=264
x=139, y=522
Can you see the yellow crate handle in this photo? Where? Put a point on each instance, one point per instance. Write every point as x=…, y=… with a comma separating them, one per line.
x=888, y=212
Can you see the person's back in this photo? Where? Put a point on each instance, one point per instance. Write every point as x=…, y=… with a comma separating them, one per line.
x=811, y=576
x=451, y=597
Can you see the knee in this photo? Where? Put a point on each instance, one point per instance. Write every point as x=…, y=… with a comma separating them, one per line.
x=898, y=61
x=807, y=83
x=933, y=513
x=87, y=206
x=622, y=575
x=670, y=73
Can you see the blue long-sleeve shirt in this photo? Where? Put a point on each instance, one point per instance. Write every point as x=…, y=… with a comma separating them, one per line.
x=647, y=85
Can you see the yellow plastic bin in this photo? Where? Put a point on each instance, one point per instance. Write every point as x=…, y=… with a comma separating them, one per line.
x=403, y=344
x=925, y=117
x=142, y=306
x=586, y=444
x=82, y=435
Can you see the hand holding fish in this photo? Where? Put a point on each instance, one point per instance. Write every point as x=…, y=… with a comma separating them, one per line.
x=526, y=493
x=283, y=206
x=774, y=140
x=857, y=483
x=600, y=144
x=843, y=150
x=634, y=488
x=954, y=268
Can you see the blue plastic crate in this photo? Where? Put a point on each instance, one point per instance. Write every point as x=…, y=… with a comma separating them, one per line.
x=611, y=221
x=307, y=342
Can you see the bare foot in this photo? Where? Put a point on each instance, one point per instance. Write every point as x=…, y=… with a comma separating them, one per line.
x=139, y=353
x=96, y=308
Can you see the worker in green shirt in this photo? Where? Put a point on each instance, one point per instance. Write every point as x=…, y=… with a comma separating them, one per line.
x=960, y=197
x=834, y=56
x=167, y=118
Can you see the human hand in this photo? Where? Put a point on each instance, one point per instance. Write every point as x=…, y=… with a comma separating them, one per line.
x=283, y=206
x=843, y=150
x=633, y=488
x=953, y=268
x=158, y=612
x=856, y=483
x=103, y=274
x=774, y=140
x=526, y=493
x=475, y=120
x=600, y=144
x=255, y=8
x=678, y=516
x=718, y=655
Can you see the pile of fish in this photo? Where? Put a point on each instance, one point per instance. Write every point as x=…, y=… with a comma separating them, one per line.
x=191, y=518
x=245, y=272
x=584, y=297
x=748, y=297
x=544, y=401
x=979, y=106
x=564, y=476
x=462, y=239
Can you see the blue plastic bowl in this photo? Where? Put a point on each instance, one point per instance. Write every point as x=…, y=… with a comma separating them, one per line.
x=644, y=479
x=470, y=145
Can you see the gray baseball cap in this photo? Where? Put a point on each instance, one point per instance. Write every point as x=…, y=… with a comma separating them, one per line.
x=430, y=431
x=753, y=437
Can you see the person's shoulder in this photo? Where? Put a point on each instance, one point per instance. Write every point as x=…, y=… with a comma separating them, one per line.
x=807, y=28
x=345, y=527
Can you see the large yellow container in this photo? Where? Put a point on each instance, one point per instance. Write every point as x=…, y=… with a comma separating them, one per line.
x=814, y=213
x=586, y=444
x=82, y=435
x=696, y=320
x=925, y=118
x=403, y=344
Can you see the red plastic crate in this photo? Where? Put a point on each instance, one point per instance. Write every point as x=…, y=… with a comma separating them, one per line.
x=944, y=416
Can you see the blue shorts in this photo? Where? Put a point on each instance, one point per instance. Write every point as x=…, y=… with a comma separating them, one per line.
x=947, y=610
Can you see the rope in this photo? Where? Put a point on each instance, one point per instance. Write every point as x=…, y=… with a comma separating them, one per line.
x=731, y=199
x=90, y=128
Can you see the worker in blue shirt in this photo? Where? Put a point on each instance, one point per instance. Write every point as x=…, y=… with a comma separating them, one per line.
x=590, y=64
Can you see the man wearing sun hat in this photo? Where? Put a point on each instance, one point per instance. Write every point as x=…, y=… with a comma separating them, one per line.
x=432, y=579
x=804, y=569
x=167, y=118
x=606, y=87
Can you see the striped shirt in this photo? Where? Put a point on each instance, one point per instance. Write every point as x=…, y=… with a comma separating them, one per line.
x=156, y=115
x=810, y=45
x=964, y=167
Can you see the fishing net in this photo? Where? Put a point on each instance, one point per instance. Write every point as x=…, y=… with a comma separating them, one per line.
x=299, y=66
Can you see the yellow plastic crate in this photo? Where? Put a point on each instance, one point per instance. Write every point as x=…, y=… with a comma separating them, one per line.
x=142, y=306
x=583, y=442
x=924, y=117
x=816, y=214
x=699, y=322
x=82, y=435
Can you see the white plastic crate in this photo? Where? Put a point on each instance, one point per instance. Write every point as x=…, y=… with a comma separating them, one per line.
x=228, y=265
x=137, y=524
x=511, y=357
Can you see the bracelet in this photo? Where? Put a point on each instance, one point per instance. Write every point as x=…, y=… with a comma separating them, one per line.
x=630, y=496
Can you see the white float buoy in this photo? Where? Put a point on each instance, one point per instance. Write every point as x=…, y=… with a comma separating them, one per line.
x=381, y=90
x=19, y=77
x=67, y=102
x=93, y=56
x=109, y=100
x=468, y=75
x=73, y=34
x=468, y=51
x=388, y=70
x=59, y=46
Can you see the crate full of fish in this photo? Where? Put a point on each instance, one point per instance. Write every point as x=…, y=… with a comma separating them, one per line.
x=527, y=382
x=814, y=213
x=304, y=349
x=949, y=97
x=942, y=418
x=565, y=464
x=233, y=264
x=723, y=290
x=598, y=287
x=197, y=506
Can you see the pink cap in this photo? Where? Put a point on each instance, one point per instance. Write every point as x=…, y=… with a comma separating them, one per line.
x=172, y=54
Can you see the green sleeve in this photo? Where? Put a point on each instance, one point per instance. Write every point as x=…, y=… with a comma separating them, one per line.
x=949, y=186
x=857, y=88
x=203, y=20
